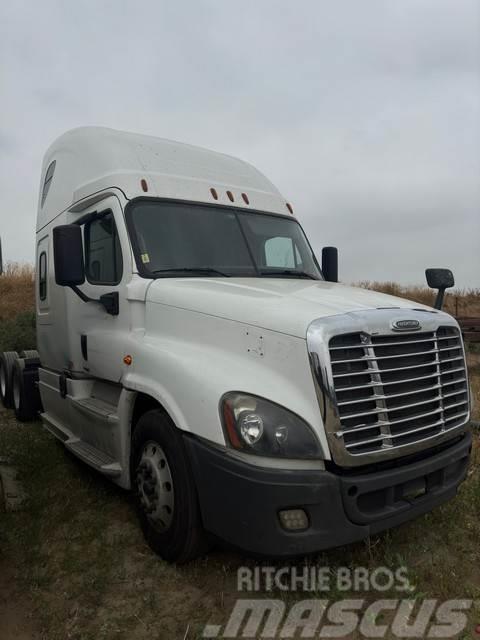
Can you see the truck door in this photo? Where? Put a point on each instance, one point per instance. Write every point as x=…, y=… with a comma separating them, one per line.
x=99, y=337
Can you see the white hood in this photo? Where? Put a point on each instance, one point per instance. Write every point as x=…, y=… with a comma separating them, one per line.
x=283, y=305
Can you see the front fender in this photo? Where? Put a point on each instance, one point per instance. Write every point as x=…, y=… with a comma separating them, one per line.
x=188, y=360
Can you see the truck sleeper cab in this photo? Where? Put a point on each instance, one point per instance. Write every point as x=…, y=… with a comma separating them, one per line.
x=192, y=350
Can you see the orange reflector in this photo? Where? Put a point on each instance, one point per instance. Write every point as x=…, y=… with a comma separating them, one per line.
x=289, y=207
x=128, y=360
x=144, y=184
x=214, y=193
x=245, y=198
x=230, y=196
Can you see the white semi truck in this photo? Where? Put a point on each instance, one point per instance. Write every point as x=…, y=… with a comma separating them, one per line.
x=192, y=349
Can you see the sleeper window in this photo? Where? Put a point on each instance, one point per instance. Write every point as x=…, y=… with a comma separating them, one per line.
x=103, y=255
x=42, y=276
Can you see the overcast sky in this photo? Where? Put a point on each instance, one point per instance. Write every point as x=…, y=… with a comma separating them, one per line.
x=365, y=114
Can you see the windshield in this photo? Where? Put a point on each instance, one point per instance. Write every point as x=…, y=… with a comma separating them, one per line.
x=173, y=239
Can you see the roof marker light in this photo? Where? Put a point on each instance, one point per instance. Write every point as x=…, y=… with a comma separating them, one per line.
x=144, y=184
x=289, y=207
x=214, y=193
x=230, y=196
x=245, y=198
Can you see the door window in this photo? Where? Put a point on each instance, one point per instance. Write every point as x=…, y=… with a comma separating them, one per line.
x=103, y=254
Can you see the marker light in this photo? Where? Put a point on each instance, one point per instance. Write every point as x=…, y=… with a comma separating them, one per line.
x=144, y=184
x=214, y=193
x=230, y=196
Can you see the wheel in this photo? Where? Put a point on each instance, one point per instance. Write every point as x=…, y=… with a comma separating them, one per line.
x=24, y=392
x=7, y=360
x=165, y=493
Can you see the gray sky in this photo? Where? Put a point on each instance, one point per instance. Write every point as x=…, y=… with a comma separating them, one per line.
x=366, y=114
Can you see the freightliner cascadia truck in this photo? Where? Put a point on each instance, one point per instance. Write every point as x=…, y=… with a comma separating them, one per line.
x=192, y=349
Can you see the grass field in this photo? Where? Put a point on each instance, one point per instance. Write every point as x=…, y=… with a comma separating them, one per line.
x=75, y=565
x=81, y=569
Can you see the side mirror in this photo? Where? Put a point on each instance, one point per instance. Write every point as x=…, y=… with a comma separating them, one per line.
x=330, y=264
x=440, y=279
x=68, y=255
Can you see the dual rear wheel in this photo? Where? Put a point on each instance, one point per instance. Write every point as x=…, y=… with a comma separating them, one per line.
x=18, y=383
x=7, y=361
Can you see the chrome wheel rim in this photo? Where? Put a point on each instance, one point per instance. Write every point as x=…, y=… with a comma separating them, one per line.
x=155, y=486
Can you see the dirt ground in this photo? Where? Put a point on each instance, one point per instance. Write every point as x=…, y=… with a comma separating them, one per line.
x=16, y=609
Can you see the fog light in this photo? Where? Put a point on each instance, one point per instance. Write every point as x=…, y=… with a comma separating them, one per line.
x=293, y=519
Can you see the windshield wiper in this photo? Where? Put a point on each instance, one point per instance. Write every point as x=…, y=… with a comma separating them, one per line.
x=287, y=272
x=202, y=270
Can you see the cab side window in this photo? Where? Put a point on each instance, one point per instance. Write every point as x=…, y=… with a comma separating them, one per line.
x=103, y=254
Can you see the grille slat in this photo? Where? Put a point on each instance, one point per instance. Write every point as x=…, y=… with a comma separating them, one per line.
x=416, y=366
x=394, y=356
x=388, y=344
x=406, y=381
x=401, y=376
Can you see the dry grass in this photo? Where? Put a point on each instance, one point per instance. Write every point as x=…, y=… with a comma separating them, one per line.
x=458, y=302
x=17, y=290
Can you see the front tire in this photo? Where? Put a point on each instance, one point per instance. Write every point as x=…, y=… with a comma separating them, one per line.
x=165, y=492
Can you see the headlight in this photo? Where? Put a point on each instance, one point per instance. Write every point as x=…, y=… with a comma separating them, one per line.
x=258, y=426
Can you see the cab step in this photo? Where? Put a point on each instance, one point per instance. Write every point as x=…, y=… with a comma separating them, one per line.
x=94, y=457
x=96, y=409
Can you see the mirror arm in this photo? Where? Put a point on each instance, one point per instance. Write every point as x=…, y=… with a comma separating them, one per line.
x=81, y=295
x=440, y=298
x=110, y=301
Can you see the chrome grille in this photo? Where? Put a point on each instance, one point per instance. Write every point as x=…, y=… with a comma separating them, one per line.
x=393, y=390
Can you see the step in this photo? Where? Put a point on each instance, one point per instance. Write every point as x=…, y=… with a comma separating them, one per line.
x=94, y=457
x=96, y=409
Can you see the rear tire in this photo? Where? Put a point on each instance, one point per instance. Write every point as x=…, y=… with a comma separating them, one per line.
x=7, y=360
x=29, y=353
x=24, y=392
x=165, y=493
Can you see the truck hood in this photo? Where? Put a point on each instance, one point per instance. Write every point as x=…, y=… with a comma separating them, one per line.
x=283, y=305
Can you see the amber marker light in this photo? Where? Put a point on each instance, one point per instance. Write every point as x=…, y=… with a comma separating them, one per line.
x=128, y=360
x=144, y=184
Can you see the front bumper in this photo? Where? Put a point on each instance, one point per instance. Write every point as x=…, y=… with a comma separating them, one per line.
x=240, y=502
